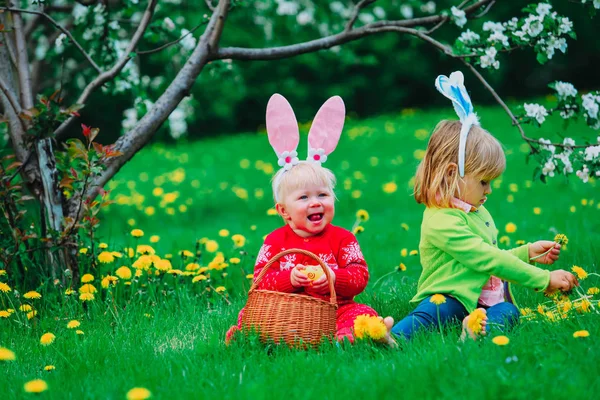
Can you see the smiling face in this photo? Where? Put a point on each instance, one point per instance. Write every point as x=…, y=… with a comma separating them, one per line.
x=308, y=210
x=473, y=190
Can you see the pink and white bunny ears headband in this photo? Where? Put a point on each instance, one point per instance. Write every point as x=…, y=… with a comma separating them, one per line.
x=454, y=89
x=323, y=137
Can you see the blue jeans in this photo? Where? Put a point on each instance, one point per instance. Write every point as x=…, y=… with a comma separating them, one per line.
x=502, y=316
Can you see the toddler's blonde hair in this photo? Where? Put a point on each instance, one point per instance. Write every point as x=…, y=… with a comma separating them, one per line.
x=303, y=174
x=484, y=159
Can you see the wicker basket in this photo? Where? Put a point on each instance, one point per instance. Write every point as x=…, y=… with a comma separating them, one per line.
x=296, y=318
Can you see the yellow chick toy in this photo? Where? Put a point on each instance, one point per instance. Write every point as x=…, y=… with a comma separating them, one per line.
x=313, y=272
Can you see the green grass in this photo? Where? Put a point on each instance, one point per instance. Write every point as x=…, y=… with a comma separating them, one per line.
x=176, y=351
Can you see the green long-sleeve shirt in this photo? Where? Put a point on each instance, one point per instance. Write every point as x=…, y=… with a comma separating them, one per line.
x=459, y=253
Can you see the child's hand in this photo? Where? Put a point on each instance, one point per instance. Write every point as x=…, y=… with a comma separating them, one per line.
x=544, y=251
x=561, y=280
x=299, y=278
x=321, y=285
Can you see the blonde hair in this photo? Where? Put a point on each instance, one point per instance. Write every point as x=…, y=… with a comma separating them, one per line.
x=484, y=159
x=303, y=174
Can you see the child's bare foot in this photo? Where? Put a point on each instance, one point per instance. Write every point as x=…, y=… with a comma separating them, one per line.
x=474, y=325
x=388, y=339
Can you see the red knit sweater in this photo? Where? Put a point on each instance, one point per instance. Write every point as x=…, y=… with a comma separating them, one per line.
x=336, y=246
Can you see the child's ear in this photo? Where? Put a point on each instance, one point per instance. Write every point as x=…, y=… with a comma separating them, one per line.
x=451, y=170
x=282, y=211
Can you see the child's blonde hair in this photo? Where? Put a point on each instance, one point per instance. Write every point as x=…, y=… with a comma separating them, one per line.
x=303, y=174
x=484, y=158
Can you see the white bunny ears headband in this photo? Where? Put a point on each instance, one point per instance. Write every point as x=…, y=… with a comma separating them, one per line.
x=323, y=137
x=454, y=89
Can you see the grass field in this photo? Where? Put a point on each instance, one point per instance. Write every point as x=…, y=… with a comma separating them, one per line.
x=165, y=333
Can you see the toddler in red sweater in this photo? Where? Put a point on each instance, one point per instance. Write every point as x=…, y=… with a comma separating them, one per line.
x=304, y=197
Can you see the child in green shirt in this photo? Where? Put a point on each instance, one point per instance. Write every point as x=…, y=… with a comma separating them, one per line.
x=462, y=265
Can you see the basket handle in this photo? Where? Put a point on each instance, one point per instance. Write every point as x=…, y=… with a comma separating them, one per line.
x=263, y=272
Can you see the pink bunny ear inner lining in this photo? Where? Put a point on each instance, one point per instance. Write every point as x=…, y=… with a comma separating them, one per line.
x=282, y=126
x=327, y=126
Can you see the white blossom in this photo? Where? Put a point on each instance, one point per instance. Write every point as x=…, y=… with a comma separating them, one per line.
x=99, y=18
x=565, y=26
x=583, y=174
x=548, y=168
x=565, y=89
x=592, y=153
x=458, y=16
x=406, y=11
x=543, y=9
x=533, y=25
x=305, y=17
x=512, y=24
x=590, y=103
x=469, y=37
x=568, y=112
x=545, y=145
x=493, y=26
x=564, y=158
x=379, y=12
x=168, y=24
x=59, y=45
x=536, y=111
x=42, y=48
x=189, y=41
x=337, y=7
x=287, y=7
x=489, y=59
x=498, y=36
x=428, y=8
x=79, y=13
x=177, y=124
x=366, y=18
x=130, y=119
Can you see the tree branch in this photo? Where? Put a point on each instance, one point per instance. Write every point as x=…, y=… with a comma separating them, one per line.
x=164, y=46
x=58, y=26
x=116, y=69
x=362, y=4
x=143, y=131
x=23, y=62
x=14, y=102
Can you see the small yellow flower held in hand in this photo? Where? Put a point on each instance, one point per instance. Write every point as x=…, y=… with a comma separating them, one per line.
x=32, y=295
x=377, y=328
x=7, y=355
x=362, y=215
x=138, y=393
x=47, y=338
x=87, y=278
x=561, y=239
x=73, y=324
x=438, y=299
x=476, y=318
x=501, y=340
x=35, y=386
x=581, y=334
x=580, y=272
x=137, y=233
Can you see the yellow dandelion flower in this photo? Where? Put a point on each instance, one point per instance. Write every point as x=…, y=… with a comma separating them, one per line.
x=573, y=209
x=583, y=306
x=593, y=290
x=7, y=355
x=163, y=265
x=106, y=257
x=510, y=198
x=404, y=226
x=123, y=273
x=32, y=295
x=581, y=334
x=413, y=253
x=103, y=246
x=138, y=393
x=510, y=228
x=186, y=253
x=47, y=338
x=79, y=332
x=361, y=326
x=199, y=278
x=362, y=215
x=476, y=318
x=402, y=267
x=223, y=233
x=234, y=260
x=87, y=288
x=86, y=296
x=211, y=246
x=87, y=278
x=238, y=240
x=438, y=299
x=537, y=210
x=31, y=314
x=4, y=314
x=154, y=239
x=73, y=324
x=505, y=240
x=69, y=292
x=175, y=272
x=25, y=307
x=137, y=233
x=220, y=289
x=2, y=272
x=4, y=288
x=117, y=254
x=561, y=239
x=356, y=194
x=192, y=267
x=580, y=272
x=145, y=249
x=35, y=386
x=272, y=211
x=501, y=340
x=108, y=281
x=404, y=252
x=359, y=229
x=390, y=187
x=250, y=276
x=526, y=312
x=520, y=242
x=376, y=329
x=49, y=368
x=83, y=250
